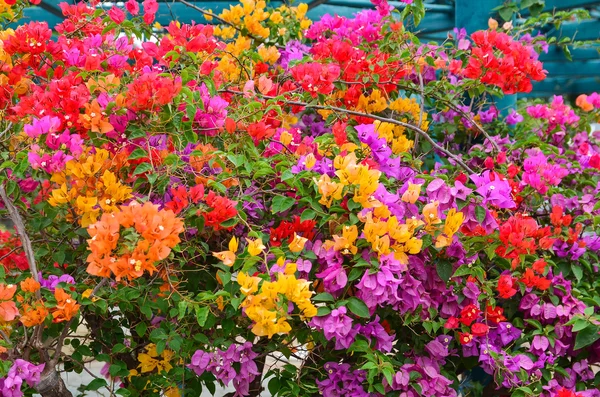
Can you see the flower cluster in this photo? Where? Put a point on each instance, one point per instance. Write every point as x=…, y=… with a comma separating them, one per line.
x=221, y=364
x=21, y=371
x=497, y=59
x=88, y=187
x=151, y=234
x=264, y=305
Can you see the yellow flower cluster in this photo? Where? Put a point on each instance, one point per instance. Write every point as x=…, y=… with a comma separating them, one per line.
x=269, y=54
x=390, y=236
x=151, y=360
x=251, y=13
x=364, y=180
x=374, y=103
x=394, y=135
x=265, y=303
x=5, y=8
x=411, y=108
x=433, y=223
x=87, y=186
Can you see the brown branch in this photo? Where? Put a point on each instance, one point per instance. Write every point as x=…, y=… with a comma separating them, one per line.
x=17, y=220
x=416, y=129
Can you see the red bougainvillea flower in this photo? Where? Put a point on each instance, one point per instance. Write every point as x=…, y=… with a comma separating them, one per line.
x=465, y=338
x=494, y=314
x=316, y=78
x=505, y=286
x=479, y=329
x=220, y=209
x=451, y=323
x=469, y=314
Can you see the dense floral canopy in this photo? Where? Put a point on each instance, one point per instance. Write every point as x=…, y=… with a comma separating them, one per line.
x=316, y=208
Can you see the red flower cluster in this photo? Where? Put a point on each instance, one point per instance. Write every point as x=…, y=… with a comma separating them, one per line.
x=11, y=253
x=286, y=231
x=558, y=217
x=497, y=59
x=151, y=90
x=220, y=210
x=355, y=64
x=316, y=78
x=494, y=314
x=259, y=131
x=468, y=315
x=180, y=197
x=519, y=234
x=531, y=280
x=506, y=286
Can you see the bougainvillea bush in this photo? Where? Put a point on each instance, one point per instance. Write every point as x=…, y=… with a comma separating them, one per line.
x=310, y=208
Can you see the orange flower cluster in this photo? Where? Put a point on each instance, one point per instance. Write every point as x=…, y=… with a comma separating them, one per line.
x=156, y=232
x=33, y=313
x=66, y=306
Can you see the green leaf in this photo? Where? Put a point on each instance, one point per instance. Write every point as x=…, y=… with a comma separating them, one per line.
x=96, y=384
x=138, y=153
x=323, y=311
x=308, y=215
x=480, y=214
x=506, y=13
x=323, y=297
x=281, y=204
x=274, y=386
x=580, y=324
x=577, y=271
x=463, y=271
x=201, y=314
x=587, y=336
x=144, y=167
x=444, y=270
x=358, y=307
x=140, y=329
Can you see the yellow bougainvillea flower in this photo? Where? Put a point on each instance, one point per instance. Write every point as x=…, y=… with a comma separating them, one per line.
x=411, y=195
x=310, y=161
x=345, y=244
x=255, y=247
x=248, y=284
x=431, y=216
x=228, y=257
x=297, y=243
x=151, y=360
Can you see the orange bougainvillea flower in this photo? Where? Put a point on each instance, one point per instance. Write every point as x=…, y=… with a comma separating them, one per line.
x=7, y=291
x=66, y=306
x=8, y=309
x=30, y=285
x=158, y=233
x=34, y=314
x=228, y=257
x=94, y=119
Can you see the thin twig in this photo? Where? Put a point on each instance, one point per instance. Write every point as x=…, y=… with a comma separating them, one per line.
x=218, y=18
x=63, y=335
x=421, y=111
